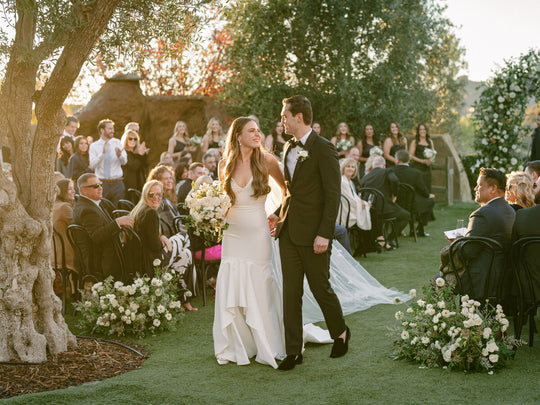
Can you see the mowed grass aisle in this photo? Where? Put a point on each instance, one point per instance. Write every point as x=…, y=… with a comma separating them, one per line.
x=182, y=369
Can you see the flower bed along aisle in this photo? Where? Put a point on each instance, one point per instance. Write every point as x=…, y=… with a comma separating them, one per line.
x=442, y=329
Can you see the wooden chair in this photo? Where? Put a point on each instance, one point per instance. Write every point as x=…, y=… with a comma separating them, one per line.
x=406, y=199
x=388, y=225
x=526, y=266
x=477, y=265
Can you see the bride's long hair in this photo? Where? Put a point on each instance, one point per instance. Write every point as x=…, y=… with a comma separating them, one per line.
x=231, y=155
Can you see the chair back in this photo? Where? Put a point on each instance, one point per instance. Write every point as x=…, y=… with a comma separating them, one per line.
x=131, y=252
x=526, y=264
x=107, y=206
x=478, y=265
x=125, y=205
x=133, y=195
x=82, y=246
x=344, y=212
x=406, y=197
x=59, y=262
x=119, y=213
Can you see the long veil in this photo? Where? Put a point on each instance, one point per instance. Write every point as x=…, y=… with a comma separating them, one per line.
x=355, y=287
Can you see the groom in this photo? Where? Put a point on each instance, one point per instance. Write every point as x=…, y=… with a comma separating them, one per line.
x=305, y=228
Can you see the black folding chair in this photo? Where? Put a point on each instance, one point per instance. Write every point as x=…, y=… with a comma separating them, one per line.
x=387, y=225
x=354, y=231
x=82, y=246
x=125, y=205
x=406, y=199
x=197, y=244
x=107, y=206
x=131, y=253
x=119, y=213
x=477, y=264
x=526, y=265
x=133, y=195
x=60, y=265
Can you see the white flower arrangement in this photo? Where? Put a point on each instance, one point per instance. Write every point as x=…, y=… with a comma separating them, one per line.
x=344, y=144
x=430, y=154
x=375, y=151
x=471, y=337
x=146, y=305
x=195, y=140
x=208, y=205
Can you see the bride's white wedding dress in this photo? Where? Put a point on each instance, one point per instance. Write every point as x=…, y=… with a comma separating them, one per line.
x=248, y=319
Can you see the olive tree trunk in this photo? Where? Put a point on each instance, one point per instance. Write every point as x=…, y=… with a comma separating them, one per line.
x=31, y=323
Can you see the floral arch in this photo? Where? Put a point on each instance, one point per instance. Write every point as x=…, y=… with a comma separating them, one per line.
x=498, y=114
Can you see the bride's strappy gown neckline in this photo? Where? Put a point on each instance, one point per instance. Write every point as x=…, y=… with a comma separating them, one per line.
x=242, y=187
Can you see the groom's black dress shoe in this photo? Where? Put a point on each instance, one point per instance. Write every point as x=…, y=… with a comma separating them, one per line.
x=341, y=347
x=289, y=362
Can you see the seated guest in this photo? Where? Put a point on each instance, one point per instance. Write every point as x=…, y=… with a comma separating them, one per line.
x=354, y=153
x=135, y=167
x=533, y=170
x=180, y=174
x=519, y=190
x=79, y=162
x=101, y=228
x=166, y=159
x=423, y=199
x=209, y=162
x=155, y=245
x=387, y=183
x=494, y=220
x=167, y=210
x=196, y=170
x=62, y=217
x=358, y=209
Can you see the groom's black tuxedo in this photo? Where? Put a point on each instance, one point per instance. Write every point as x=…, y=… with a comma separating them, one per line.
x=309, y=209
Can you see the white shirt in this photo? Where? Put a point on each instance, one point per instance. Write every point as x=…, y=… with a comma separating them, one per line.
x=107, y=166
x=292, y=156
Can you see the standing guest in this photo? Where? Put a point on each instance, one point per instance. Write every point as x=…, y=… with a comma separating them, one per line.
x=187, y=156
x=533, y=170
x=343, y=140
x=276, y=140
x=99, y=225
x=106, y=159
x=424, y=201
x=132, y=126
x=209, y=162
x=67, y=148
x=214, y=137
x=535, y=141
x=519, y=190
x=256, y=119
x=196, y=170
x=179, y=141
x=72, y=125
x=417, y=148
x=181, y=174
x=365, y=144
x=317, y=128
x=167, y=210
x=394, y=142
x=387, y=183
x=135, y=168
x=154, y=244
x=62, y=217
x=79, y=162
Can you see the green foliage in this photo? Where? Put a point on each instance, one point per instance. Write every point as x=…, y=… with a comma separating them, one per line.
x=500, y=110
x=360, y=62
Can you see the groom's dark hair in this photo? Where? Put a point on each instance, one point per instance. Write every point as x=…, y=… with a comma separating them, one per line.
x=300, y=104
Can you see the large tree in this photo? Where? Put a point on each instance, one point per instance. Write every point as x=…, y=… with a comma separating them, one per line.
x=56, y=36
x=362, y=61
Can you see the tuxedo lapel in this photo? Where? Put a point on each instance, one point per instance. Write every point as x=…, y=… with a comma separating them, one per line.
x=285, y=167
x=307, y=147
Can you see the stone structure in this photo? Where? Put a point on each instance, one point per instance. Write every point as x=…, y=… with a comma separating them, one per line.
x=122, y=100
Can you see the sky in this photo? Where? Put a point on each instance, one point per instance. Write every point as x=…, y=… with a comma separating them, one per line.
x=493, y=31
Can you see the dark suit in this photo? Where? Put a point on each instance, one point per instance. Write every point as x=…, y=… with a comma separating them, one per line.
x=184, y=190
x=414, y=177
x=102, y=230
x=494, y=220
x=309, y=209
x=387, y=183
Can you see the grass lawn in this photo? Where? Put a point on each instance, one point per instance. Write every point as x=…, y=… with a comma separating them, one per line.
x=182, y=368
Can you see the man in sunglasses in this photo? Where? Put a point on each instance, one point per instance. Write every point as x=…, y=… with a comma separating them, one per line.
x=99, y=225
x=106, y=159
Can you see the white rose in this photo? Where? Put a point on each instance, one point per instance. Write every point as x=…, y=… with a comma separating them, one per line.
x=399, y=315
x=168, y=316
x=128, y=321
x=443, y=325
x=145, y=289
x=447, y=355
x=134, y=307
x=151, y=312
x=167, y=277
x=425, y=340
x=410, y=310
x=103, y=306
x=396, y=300
x=421, y=303
x=113, y=317
x=404, y=335
x=492, y=346
x=494, y=358
x=445, y=313
x=440, y=282
x=158, y=292
x=188, y=294
x=500, y=99
x=156, y=322
x=128, y=312
x=412, y=293
x=161, y=309
x=87, y=304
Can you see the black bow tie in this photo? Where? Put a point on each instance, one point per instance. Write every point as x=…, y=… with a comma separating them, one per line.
x=295, y=143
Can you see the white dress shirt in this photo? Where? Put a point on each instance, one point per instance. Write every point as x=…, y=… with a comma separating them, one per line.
x=108, y=165
x=292, y=156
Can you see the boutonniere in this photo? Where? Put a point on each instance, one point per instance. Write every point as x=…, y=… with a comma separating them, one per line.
x=302, y=155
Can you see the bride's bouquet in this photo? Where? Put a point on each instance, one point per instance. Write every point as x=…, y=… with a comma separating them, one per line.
x=208, y=204
x=430, y=154
x=195, y=140
x=344, y=145
x=375, y=151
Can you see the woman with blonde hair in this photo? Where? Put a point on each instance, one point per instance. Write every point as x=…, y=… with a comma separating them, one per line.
x=519, y=190
x=167, y=210
x=343, y=140
x=179, y=141
x=394, y=142
x=214, y=137
x=135, y=168
x=358, y=208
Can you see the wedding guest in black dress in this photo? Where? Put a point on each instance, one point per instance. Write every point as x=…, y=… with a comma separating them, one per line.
x=519, y=190
x=79, y=162
x=394, y=142
x=276, y=140
x=67, y=147
x=533, y=170
x=535, y=143
x=343, y=140
x=417, y=149
x=180, y=141
x=135, y=168
x=317, y=128
x=365, y=144
x=214, y=137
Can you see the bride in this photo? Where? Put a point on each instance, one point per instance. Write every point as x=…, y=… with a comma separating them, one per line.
x=248, y=318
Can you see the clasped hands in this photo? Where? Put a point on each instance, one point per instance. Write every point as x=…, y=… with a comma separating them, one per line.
x=320, y=245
